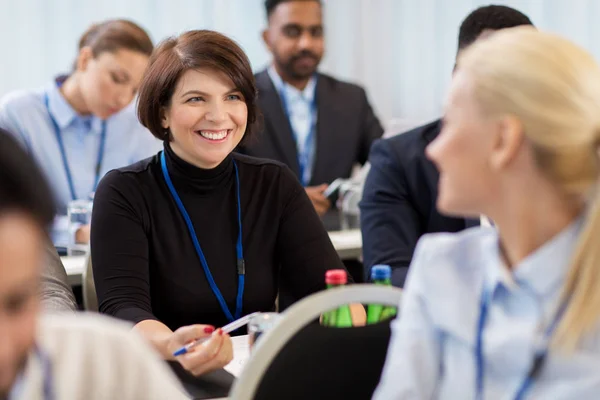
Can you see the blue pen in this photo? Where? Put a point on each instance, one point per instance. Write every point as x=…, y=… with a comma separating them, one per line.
x=232, y=326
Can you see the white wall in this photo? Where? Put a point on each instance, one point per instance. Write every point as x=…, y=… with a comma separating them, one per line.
x=402, y=51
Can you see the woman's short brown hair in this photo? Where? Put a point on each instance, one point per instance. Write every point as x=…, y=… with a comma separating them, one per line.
x=193, y=50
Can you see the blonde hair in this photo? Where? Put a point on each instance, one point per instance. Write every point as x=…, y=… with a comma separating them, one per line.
x=552, y=87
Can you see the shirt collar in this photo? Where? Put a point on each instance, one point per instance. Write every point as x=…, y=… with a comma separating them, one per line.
x=496, y=272
x=308, y=93
x=63, y=113
x=543, y=270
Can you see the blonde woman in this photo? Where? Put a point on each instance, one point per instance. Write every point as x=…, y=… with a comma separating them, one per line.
x=510, y=313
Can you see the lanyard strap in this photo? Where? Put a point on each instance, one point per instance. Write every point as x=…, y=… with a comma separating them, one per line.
x=304, y=159
x=539, y=358
x=479, y=343
x=241, y=265
x=47, y=384
x=63, y=152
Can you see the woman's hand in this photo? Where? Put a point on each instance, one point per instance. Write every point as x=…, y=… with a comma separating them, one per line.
x=211, y=355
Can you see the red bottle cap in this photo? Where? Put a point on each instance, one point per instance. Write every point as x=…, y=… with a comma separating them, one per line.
x=336, y=277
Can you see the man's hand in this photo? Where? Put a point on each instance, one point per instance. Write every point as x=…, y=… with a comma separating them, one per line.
x=320, y=202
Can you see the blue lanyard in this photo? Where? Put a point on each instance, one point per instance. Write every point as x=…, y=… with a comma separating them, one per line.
x=539, y=358
x=47, y=372
x=47, y=384
x=63, y=152
x=303, y=156
x=241, y=265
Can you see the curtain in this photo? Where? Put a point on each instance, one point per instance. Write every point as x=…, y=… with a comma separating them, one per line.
x=401, y=51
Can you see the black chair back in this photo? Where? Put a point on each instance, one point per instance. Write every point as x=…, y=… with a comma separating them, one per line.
x=327, y=363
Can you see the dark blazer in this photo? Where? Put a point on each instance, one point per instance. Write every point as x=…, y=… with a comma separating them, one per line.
x=399, y=201
x=346, y=128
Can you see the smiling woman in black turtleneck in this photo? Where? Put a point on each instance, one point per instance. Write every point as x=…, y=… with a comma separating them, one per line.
x=198, y=95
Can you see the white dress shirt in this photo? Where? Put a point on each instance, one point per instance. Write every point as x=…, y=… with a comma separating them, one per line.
x=302, y=115
x=93, y=357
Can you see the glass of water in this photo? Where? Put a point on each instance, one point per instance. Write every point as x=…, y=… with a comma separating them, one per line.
x=79, y=213
x=260, y=324
x=350, y=195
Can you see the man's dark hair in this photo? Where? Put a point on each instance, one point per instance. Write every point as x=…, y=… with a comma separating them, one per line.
x=23, y=187
x=270, y=5
x=492, y=17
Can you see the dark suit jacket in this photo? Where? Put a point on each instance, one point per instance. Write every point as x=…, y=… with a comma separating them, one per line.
x=346, y=128
x=399, y=201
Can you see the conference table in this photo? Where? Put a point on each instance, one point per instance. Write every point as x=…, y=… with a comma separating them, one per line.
x=348, y=245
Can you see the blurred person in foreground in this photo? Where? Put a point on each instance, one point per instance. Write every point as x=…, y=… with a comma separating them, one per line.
x=512, y=312
x=58, y=356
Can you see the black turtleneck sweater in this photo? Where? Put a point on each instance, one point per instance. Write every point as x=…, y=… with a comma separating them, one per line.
x=146, y=267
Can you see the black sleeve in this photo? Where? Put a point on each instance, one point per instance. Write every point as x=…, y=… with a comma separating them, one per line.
x=372, y=130
x=119, y=246
x=389, y=222
x=303, y=245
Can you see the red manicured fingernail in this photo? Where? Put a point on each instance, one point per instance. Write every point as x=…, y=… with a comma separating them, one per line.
x=209, y=329
x=220, y=332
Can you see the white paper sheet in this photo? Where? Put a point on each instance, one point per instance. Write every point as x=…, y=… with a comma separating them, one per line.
x=241, y=353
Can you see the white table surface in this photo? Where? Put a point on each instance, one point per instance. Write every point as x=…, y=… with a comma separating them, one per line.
x=347, y=243
x=74, y=265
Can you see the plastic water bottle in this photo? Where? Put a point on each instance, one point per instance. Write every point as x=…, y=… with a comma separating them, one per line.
x=380, y=275
x=341, y=316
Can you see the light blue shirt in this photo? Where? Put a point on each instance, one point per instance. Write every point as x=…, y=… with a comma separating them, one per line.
x=16, y=391
x=432, y=348
x=24, y=114
x=302, y=117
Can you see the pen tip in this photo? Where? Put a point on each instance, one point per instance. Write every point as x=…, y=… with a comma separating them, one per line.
x=180, y=352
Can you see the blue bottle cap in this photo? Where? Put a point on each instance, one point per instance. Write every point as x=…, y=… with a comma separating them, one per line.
x=381, y=272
